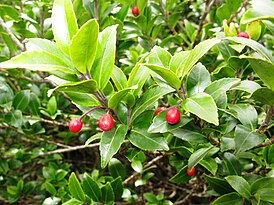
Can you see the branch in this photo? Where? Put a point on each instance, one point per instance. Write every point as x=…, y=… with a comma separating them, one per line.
x=269, y=113
x=203, y=17
x=167, y=18
x=11, y=35
x=269, y=142
x=236, y=13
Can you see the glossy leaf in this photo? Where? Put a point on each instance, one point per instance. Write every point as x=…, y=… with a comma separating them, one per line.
x=73, y=202
x=91, y=188
x=246, y=139
x=247, y=86
x=34, y=105
x=190, y=136
x=147, y=99
x=21, y=100
x=107, y=193
x=266, y=194
x=231, y=164
x=170, y=77
x=104, y=60
x=119, y=78
x=177, y=62
x=261, y=183
x=264, y=95
x=75, y=188
x=6, y=93
x=159, y=57
x=240, y=185
x=160, y=125
x=146, y=141
x=14, y=118
x=210, y=164
x=83, y=46
x=83, y=99
x=219, y=185
x=197, y=156
x=181, y=177
x=228, y=199
x=203, y=106
x=116, y=169
x=197, y=80
x=117, y=187
x=111, y=142
x=64, y=23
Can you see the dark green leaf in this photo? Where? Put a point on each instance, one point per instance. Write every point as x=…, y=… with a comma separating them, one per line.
x=34, y=105
x=21, y=100
x=91, y=188
x=116, y=169
x=14, y=118
x=6, y=93
x=232, y=164
x=197, y=156
x=50, y=188
x=117, y=187
x=190, y=136
x=220, y=185
x=240, y=185
x=266, y=194
x=264, y=95
x=261, y=183
x=210, y=164
x=107, y=193
x=228, y=199
x=75, y=188
x=181, y=177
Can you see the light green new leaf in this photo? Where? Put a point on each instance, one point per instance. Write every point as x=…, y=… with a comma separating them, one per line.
x=85, y=86
x=104, y=60
x=264, y=69
x=246, y=139
x=177, y=62
x=146, y=141
x=240, y=185
x=64, y=23
x=91, y=188
x=83, y=46
x=197, y=156
x=148, y=98
x=119, y=78
x=195, y=54
x=38, y=61
x=73, y=202
x=75, y=188
x=203, y=106
x=264, y=95
x=229, y=199
x=159, y=57
x=83, y=99
x=170, y=77
x=263, y=51
x=111, y=142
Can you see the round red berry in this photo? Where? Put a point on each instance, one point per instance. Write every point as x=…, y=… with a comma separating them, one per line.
x=173, y=116
x=190, y=172
x=135, y=10
x=106, y=122
x=160, y=109
x=75, y=125
x=243, y=34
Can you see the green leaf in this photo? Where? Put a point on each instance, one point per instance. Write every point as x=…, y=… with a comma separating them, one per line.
x=6, y=93
x=246, y=114
x=190, y=136
x=264, y=69
x=177, y=62
x=75, y=188
x=64, y=23
x=181, y=177
x=111, y=142
x=170, y=77
x=104, y=60
x=50, y=188
x=38, y=61
x=261, y=183
x=83, y=46
x=197, y=156
x=233, y=5
x=203, y=106
x=138, y=75
x=117, y=187
x=160, y=125
x=119, y=78
x=263, y=51
x=118, y=97
x=107, y=193
x=232, y=164
x=83, y=99
x=195, y=54
x=228, y=199
x=60, y=174
x=14, y=118
x=146, y=141
x=147, y=99
x=84, y=86
x=266, y=194
x=223, y=12
x=219, y=185
x=159, y=57
x=210, y=164
x=264, y=95
x=247, y=86
x=93, y=138
x=52, y=106
x=91, y=188
x=246, y=139
x=240, y=185
x=116, y=169
x=34, y=105
x=73, y=202
x=21, y=100
x=197, y=80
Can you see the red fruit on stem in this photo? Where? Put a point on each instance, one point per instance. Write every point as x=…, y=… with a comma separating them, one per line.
x=75, y=125
x=173, y=116
x=160, y=109
x=135, y=10
x=243, y=34
x=106, y=122
x=190, y=172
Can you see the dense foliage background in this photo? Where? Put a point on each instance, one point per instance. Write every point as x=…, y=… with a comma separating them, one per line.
x=64, y=59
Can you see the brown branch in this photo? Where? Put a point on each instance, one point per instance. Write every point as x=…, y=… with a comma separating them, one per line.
x=167, y=18
x=269, y=142
x=11, y=35
x=269, y=114
x=236, y=13
x=201, y=23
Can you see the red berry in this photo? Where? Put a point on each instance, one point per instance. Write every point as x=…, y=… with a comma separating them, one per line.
x=160, y=109
x=190, y=172
x=106, y=122
x=135, y=10
x=75, y=125
x=173, y=116
x=243, y=34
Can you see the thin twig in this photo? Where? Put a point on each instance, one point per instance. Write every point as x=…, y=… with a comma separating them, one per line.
x=269, y=113
x=269, y=142
x=167, y=17
x=236, y=13
x=201, y=23
x=11, y=35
